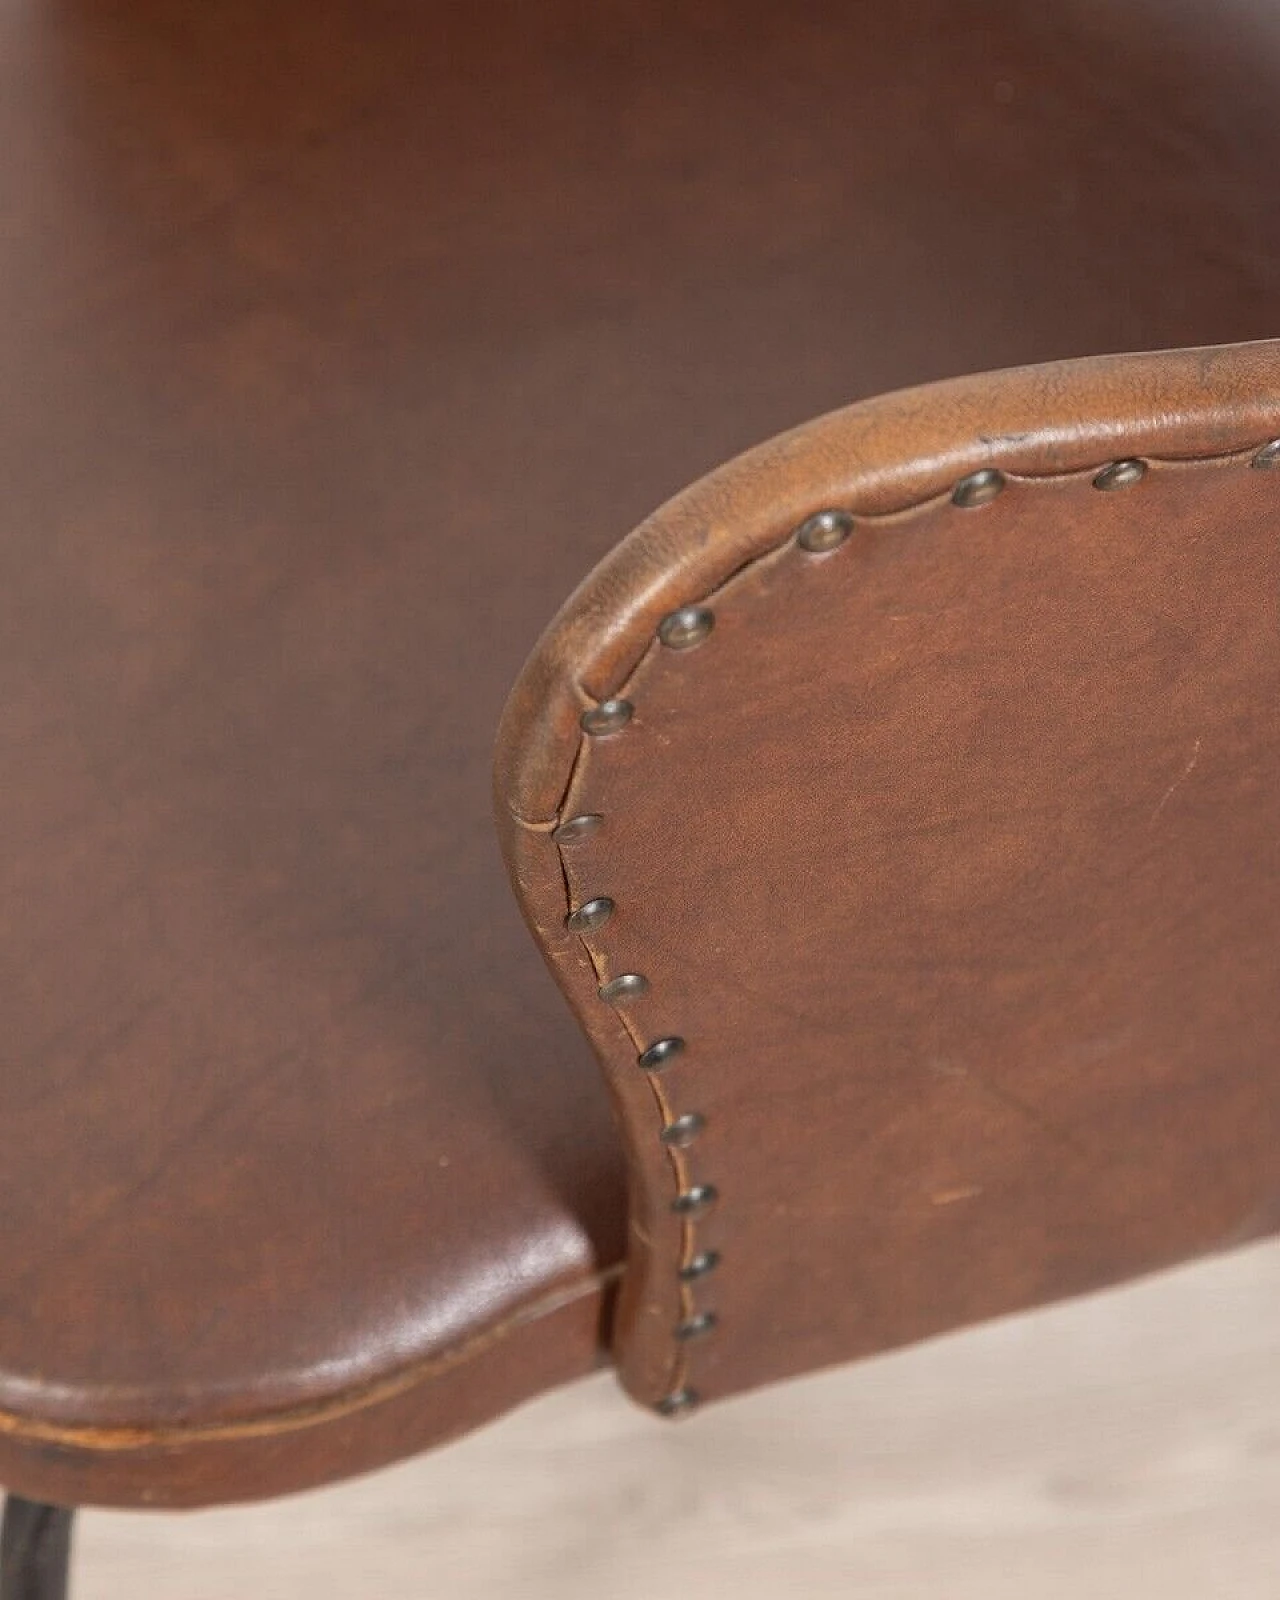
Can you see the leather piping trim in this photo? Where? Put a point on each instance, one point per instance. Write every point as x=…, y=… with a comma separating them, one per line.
x=1236, y=413
x=120, y=1438
x=680, y=1397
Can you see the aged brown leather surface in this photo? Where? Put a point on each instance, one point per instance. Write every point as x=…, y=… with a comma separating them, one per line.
x=292, y=1117
x=202, y=1459
x=949, y=857
x=339, y=342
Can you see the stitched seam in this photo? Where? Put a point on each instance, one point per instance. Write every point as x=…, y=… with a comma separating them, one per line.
x=680, y=1397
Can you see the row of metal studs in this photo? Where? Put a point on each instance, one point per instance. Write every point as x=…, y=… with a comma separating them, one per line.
x=682, y=630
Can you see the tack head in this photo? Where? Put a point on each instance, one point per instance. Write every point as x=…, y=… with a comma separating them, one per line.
x=660, y=1053
x=626, y=986
x=1268, y=456
x=823, y=531
x=677, y=1404
x=608, y=717
x=590, y=914
x=1120, y=474
x=699, y=1265
x=696, y=1326
x=979, y=488
x=575, y=829
x=681, y=630
x=701, y=1197
x=681, y=1133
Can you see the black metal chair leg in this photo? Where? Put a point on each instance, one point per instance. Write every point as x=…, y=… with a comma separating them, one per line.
x=35, y=1546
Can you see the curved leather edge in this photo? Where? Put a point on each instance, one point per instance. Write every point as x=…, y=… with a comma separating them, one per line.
x=881, y=455
x=877, y=457
x=561, y=1336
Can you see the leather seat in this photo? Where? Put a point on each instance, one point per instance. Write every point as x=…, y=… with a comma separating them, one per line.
x=341, y=342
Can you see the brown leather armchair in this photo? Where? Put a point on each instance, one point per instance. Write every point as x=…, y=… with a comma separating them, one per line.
x=896, y=808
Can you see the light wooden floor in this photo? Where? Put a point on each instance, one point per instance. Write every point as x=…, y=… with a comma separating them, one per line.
x=1124, y=1446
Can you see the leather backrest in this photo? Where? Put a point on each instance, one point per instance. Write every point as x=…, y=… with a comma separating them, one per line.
x=897, y=810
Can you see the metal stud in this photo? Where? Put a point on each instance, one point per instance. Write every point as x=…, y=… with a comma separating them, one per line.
x=701, y=1197
x=1268, y=456
x=979, y=488
x=823, y=531
x=577, y=828
x=660, y=1053
x=677, y=1404
x=1120, y=475
x=696, y=1326
x=626, y=986
x=590, y=914
x=608, y=717
x=681, y=630
x=681, y=1133
x=699, y=1265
